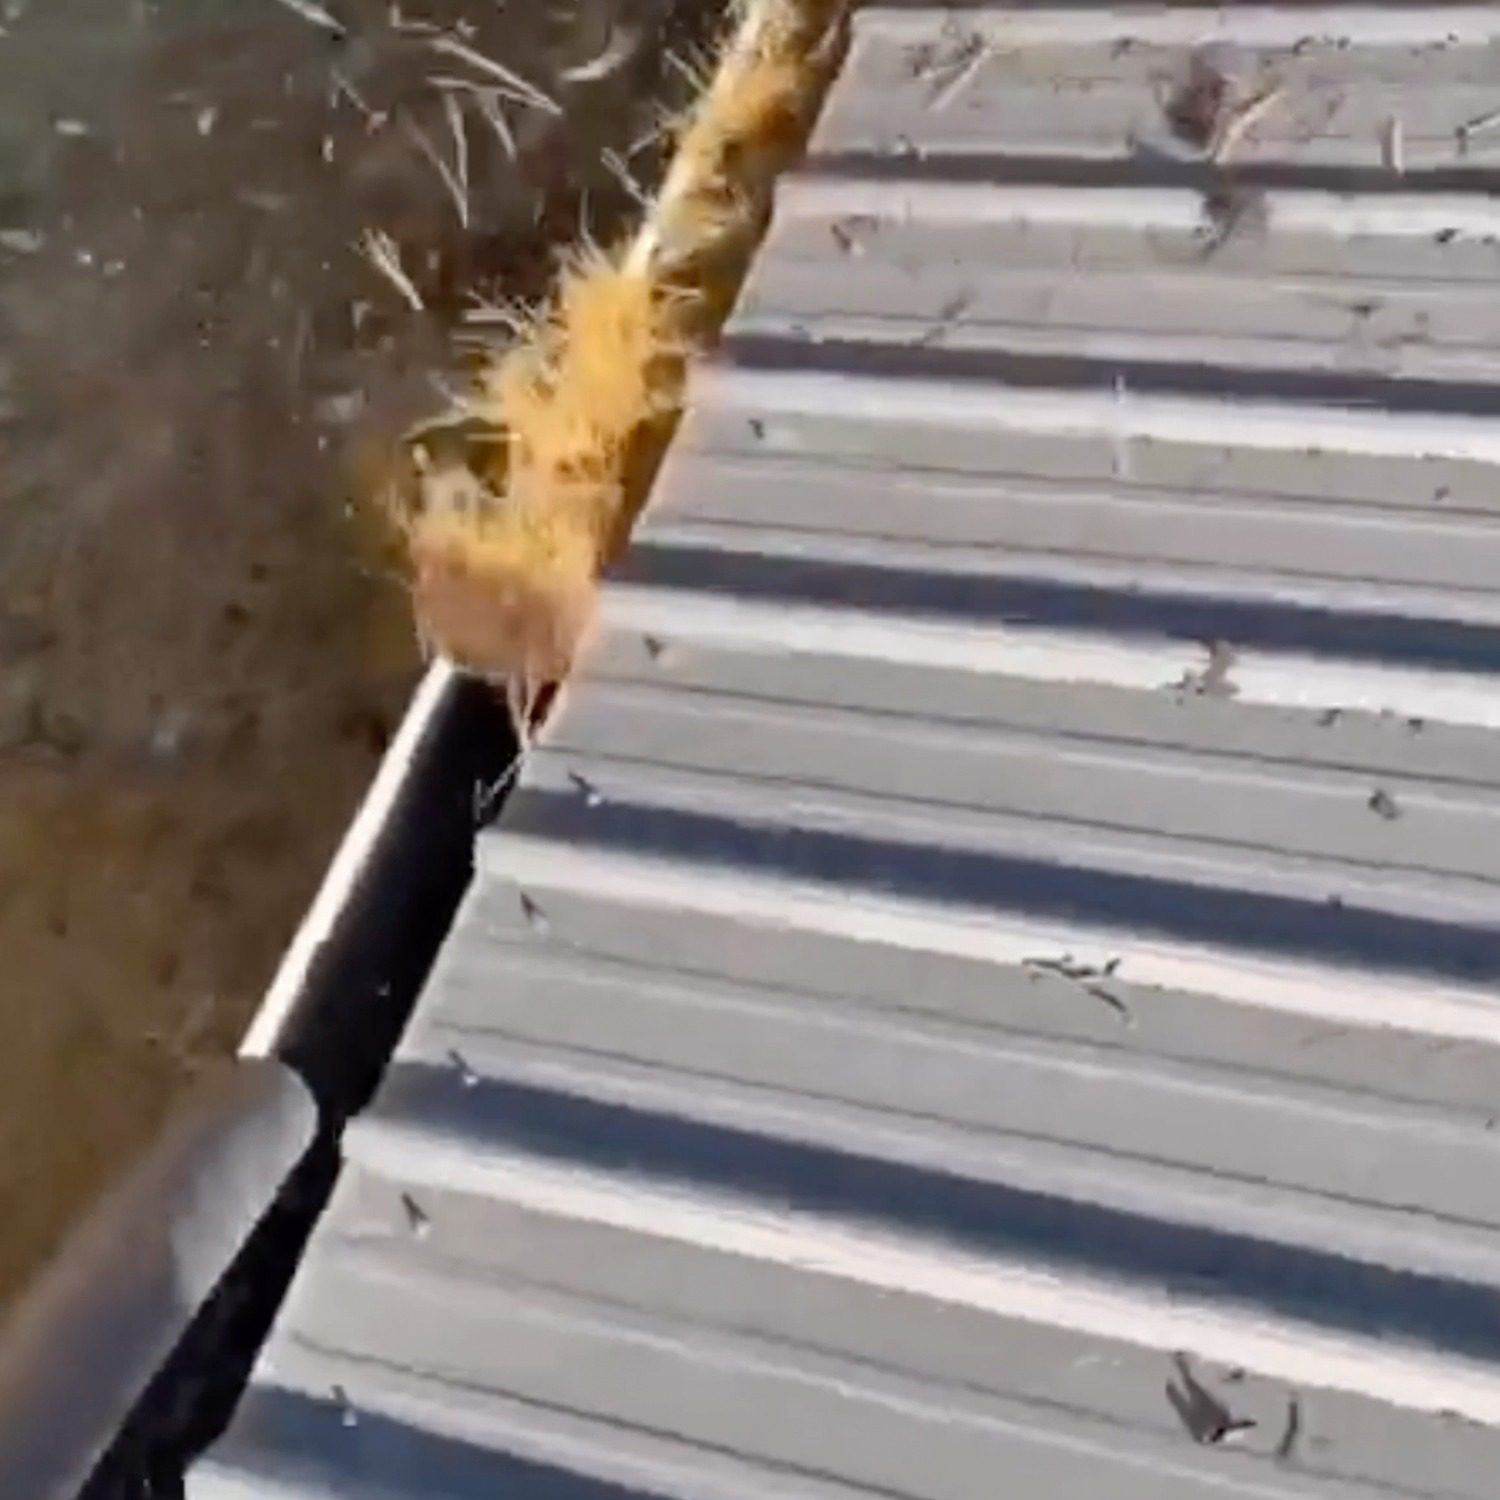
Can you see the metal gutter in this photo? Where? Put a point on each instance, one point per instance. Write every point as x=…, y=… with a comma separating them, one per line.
x=99, y=1324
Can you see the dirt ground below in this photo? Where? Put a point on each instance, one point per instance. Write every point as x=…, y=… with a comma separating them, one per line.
x=202, y=653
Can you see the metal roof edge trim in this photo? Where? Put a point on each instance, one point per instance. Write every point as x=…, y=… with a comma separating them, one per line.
x=351, y=862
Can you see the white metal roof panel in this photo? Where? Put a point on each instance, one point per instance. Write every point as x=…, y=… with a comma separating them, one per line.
x=989, y=983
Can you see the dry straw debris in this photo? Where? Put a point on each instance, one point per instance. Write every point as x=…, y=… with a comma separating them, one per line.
x=565, y=428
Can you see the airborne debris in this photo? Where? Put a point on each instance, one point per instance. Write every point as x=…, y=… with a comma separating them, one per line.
x=520, y=89
x=383, y=253
x=848, y=234
x=618, y=50
x=961, y=72
x=567, y=421
x=1230, y=208
x=1196, y=106
x=592, y=796
x=309, y=10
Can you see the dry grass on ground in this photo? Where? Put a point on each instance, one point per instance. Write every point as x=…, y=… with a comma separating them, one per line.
x=564, y=430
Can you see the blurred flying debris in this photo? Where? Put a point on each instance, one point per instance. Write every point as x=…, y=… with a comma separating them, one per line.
x=569, y=416
x=1231, y=208
x=623, y=44
x=1240, y=120
x=1216, y=104
x=1196, y=106
x=615, y=165
x=1212, y=111
x=519, y=89
x=486, y=98
x=453, y=178
x=310, y=10
x=1479, y=125
x=383, y=253
x=956, y=73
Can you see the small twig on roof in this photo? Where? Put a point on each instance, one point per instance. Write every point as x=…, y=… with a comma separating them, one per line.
x=494, y=117
x=695, y=75
x=1477, y=126
x=487, y=797
x=1237, y=122
x=1208, y=1420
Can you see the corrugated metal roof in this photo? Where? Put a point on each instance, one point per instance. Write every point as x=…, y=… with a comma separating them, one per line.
x=988, y=986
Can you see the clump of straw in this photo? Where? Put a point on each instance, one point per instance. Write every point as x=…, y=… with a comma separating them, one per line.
x=507, y=544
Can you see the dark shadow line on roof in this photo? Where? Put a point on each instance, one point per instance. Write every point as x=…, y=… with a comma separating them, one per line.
x=985, y=600
x=1317, y=1286
x=1257, y=923
x=1143, y=169
x=865, y=358
x=311, y=1444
